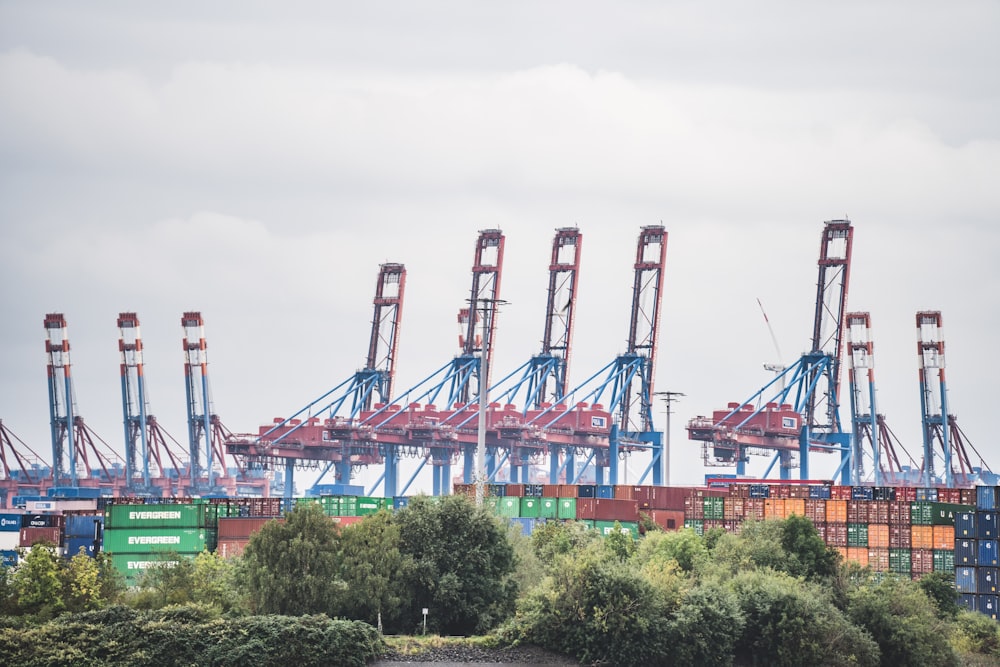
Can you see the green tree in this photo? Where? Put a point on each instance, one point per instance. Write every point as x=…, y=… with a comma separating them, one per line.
x=807, y=555
x=684, y=547
x=903, y=620
x=555, y=538
x=37, y=583
x=291, y=567
x=462, y=565
x=940, y=588
x=705, y=628
x=372, y=569
x=81, y=583
x=620, y=543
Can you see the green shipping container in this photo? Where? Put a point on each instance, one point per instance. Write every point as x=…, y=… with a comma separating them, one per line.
x=348, y=506
x=608, y=527
x=186, y=515
x=698, y=525
x=531, y=508
x=368, y=506
x=567, y=508
x=509, y=507
x=857, y=534
x=944, y=560
x=921, y=513
x=714, y=507
x=943, y=514
x=132, y=566
x=331, y=505
x=149, y=540
x=899, y=561
x=548, y=508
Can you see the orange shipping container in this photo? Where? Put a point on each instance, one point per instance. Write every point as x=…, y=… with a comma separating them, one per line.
x=755, y=509
x=774, y=508
x=878, y=536
x=944, y=537
x=795, y=506
x=922, y=537
x=878, y=559
x=667, y=519
x=836, y=511
x=841, y=550
x=858, y=555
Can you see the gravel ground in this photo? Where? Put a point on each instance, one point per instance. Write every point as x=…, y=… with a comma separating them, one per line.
x=525, y=656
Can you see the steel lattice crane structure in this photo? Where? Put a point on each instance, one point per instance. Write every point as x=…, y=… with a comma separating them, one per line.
x=872, y=439
x=577, y=423
x=24, y=472
x=304, y=438
x=73, y=442
x=799, y=410
x=941, y=433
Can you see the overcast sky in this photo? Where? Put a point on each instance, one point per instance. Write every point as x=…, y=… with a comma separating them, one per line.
x=257, y=161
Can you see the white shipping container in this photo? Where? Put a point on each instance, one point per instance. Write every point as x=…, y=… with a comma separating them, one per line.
x=61, y=505
x=9, y=541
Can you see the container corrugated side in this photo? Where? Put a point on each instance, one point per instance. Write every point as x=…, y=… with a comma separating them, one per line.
x=176, y=515
x=150, y=540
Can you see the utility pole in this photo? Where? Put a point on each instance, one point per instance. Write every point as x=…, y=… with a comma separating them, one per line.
x=668, y=398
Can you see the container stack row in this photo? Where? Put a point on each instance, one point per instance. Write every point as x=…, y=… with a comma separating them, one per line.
x=977, y=563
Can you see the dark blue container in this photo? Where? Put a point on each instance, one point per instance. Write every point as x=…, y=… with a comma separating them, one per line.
x=987, y=604
x=986, y=497
x=986, y=555
x=927, y=495
x=986, y=525
x=8, y=558
x=533, y=490
x=986, y=580
x=10, y=523
x=965, y=579
x=760, y=490
x=819, y=492
x=74, y=544
x=885, y=493
x=496, y=490
x=862, y=493
x=965, y=525
x=586, y=491
x=84, y=525
x=605, y=491
x=966, y=553
x=967, y=601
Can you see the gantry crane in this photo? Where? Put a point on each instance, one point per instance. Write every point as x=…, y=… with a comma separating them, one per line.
x=941, y=433
x=873, y=442
x=304, y=438
x=799, y=410
x=23, y=472
x=73, y=442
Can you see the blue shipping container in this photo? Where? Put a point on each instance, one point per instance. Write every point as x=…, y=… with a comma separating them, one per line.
x=927, y=495
x=986, y=579
x=526, y=524
x=966, y=552
x=760, y=490
x=862, y=493
x=965, y=579
x=10, y=523
x=986, y=555
x=967, y=601
x=83, y=525
x=986, y=525
x=819, y=492
x=399, y=502
x=986, y=498
x=987, y=604
x=605, y=491
x=965, y=525
x=74, y=544
x=586, y=491
x=9, y=558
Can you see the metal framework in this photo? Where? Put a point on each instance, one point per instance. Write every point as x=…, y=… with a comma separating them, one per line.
x=798, y=411
x=22, y=470
x=943, y=440
x=874, y=444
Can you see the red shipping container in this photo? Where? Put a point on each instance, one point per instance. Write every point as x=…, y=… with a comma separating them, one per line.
x=822, y=530
x=816, y=511
x=667, y=519
x=857, y=511
x=242, y=527
x=515, y=490
x=967, y=496
x=755, y=509
x=840, y=493
x=899, y=536
x=878, y=512
x=878, y=559
x=694, y=508
x=231, y=547
x=669, y=498
x=625, y=492
x=921, y=561
x=733, y=527
x=32, y=536
x=906, y=494
x=567, y=491
x=899, y=513
x=585, y=508
x=950, y=495
x=550, y=491
x=836, y=534
x=611, y=509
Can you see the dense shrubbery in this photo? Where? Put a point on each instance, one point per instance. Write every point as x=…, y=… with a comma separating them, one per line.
x=772, y=595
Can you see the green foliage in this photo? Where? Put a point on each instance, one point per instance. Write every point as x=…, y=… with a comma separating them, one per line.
x=705, y=628
x=597, y=610
x=37, y=583
x=559, y=538
x=461, y=566
x=291, y=567
x=372, y=567
x=805, y=551
x=940, y=588
x=684, y=547
x=81, y=583
x=619, y=544
x=901, y=618
x=788, y=545
x=190, y=635
x=791, y=623
x=977, y=633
